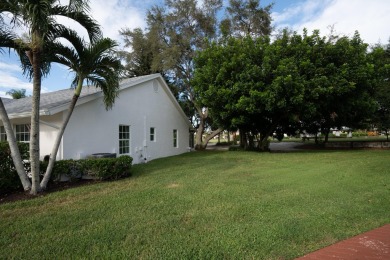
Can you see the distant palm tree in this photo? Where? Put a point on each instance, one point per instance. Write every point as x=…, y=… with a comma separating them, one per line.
x=37, y=17
x=94, y=64
x=16, y=93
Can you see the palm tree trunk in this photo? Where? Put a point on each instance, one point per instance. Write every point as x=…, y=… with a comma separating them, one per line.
x=34, y=140
x=15, y=153
x=57, y=142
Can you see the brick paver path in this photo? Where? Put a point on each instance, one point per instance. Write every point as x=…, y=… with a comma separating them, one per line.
x=374, y=244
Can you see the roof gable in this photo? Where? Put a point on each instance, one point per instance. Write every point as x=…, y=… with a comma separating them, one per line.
x=58, y=101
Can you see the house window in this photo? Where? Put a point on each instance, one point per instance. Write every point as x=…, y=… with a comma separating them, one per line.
x=23, y=133
x=175, y=138
x=152, y=134
x=124, y=139
x=3, y=136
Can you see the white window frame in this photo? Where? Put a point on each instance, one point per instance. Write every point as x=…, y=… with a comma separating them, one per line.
x=124, y=139
x=152, y=134
x=3, y=135
x=23, y=133
x=175, y=138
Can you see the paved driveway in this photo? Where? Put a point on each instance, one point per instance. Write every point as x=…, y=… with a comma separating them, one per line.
x=286, y=146
x=275, y=147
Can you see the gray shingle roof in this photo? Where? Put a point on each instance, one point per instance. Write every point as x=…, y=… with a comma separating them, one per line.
x=60, y=98
x=7, y=100
x=48, y=100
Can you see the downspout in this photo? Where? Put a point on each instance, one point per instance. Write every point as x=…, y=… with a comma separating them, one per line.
x=145, y=153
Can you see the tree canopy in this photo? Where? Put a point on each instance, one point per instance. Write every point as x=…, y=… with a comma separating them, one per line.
x=176, y=31
x=17, y=93
x=258, y=85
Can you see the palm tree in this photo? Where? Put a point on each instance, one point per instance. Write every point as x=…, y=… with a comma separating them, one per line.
x=8, y=40
x=93, y=64
x=38, y=17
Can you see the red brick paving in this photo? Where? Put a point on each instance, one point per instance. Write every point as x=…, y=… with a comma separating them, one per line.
x=374, y=244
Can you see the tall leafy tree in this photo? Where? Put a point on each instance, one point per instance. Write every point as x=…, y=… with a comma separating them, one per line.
x=94, y=64
x=381, y=58
x=37, y=17
x=341, y=82
x=139, y=61
x=260, y=86
x=16, y=93
x=247, y=18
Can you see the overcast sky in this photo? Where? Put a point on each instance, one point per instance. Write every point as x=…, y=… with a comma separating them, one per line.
x=370, y=18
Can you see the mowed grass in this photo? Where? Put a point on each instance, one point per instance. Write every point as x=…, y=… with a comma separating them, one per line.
x=208, y=205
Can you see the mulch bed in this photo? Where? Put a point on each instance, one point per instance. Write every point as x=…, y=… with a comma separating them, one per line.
x=52, y=187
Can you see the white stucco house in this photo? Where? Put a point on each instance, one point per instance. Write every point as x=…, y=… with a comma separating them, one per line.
x=146, y=122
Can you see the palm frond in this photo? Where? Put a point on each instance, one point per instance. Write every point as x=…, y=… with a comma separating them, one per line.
x=79, y=5
x=92, y=27
x=72, y=37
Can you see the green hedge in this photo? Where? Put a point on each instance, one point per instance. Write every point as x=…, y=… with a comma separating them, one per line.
x=9, y=179
x=107, y=168
x=97, y=168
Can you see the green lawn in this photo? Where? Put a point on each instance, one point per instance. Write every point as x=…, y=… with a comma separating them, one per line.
x=208, y=205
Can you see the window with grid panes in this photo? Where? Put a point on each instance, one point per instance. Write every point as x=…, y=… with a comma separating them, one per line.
x=124, y=139
x=152, y=134
x=23, y=133
x=3, y=135
x=175, y=138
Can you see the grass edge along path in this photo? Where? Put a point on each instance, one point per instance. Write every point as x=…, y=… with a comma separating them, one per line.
x=208, y=205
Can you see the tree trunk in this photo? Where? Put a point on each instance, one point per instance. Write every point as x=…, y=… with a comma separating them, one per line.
x=243, y=139
x=251, y=141
x=210, y=136
x=199, y=143
x=199, y=134
x=327, y=135
x=34, y=139
x=15, y=153
x=57, y=142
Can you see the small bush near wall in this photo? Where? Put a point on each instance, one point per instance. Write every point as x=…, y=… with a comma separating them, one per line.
x=98, y=168
x=9, y=179
x=95, y=168
x=107, y=168
x=69, y=168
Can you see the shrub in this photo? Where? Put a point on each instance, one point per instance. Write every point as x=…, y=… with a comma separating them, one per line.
x=236, y=148
x=359, y=133
x=70, y=168
x=97, y=168
x=107, y=168
x=9, y=179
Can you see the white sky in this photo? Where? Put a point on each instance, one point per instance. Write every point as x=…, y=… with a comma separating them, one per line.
x=370, y=18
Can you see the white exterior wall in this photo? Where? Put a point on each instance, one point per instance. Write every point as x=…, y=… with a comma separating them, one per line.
x=49, y=126
x=92, y=129
x=48, y=132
